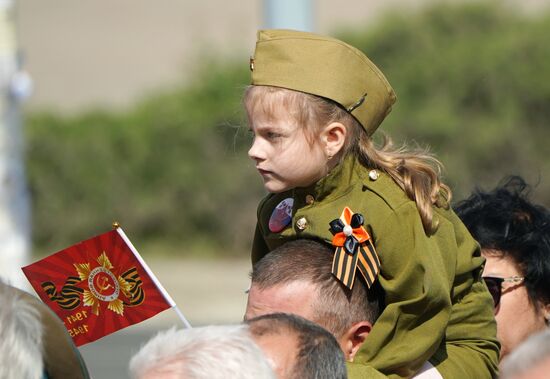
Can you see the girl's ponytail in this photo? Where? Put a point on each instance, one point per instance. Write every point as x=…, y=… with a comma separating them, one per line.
x=416, y=171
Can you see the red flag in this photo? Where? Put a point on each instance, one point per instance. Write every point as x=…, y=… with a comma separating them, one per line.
x=98, y=286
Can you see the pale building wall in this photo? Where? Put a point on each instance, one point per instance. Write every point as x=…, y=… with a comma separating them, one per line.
x=110, y=52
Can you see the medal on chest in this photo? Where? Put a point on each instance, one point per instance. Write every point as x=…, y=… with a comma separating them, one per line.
x=281, y=215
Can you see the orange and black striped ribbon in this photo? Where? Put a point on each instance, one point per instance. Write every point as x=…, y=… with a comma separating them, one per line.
x=135, y=294
x=344, y=265
x=69, y=297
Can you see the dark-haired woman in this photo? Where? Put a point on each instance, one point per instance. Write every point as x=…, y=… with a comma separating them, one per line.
x=514, y=235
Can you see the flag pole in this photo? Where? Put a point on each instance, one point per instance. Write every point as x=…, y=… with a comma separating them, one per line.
x=164, y=293
x=182, y=318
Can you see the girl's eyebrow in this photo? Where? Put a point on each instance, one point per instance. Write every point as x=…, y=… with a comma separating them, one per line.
x=265, y=126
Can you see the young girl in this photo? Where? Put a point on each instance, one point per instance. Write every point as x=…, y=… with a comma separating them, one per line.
x=313, y=105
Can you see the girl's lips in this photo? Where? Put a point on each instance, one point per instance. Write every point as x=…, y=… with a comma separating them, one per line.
x=263, y=172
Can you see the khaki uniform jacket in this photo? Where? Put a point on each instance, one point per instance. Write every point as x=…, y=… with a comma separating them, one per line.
x=437, y=307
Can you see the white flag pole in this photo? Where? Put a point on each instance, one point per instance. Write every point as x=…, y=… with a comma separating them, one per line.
x=164, y=293
x=182, y=318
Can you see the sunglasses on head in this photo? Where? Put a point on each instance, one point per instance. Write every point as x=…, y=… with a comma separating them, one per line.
x=494, y=285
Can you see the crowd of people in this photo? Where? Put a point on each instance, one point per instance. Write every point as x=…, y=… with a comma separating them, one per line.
x=361, y=267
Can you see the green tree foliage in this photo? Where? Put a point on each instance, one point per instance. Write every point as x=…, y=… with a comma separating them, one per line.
x=473, y=82
x=174, y=169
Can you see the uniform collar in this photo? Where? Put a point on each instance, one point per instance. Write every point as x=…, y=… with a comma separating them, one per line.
x=336, y=183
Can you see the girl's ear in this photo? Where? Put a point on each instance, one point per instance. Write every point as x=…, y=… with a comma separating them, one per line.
x=333, y=138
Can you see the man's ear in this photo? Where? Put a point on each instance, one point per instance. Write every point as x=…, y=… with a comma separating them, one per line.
x=546, y=313
x=354, y=338
x=333, y=137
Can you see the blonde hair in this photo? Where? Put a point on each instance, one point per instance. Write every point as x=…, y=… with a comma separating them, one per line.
x=416, y=171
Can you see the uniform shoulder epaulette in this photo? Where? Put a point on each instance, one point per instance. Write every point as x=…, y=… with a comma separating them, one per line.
x=381, y=184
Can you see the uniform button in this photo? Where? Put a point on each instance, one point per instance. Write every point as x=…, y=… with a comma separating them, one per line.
x=373, y=175
x=309, y=199
x=301, y=223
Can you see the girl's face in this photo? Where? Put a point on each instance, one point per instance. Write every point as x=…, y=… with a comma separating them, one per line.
x=517, y=318
x=286, y=157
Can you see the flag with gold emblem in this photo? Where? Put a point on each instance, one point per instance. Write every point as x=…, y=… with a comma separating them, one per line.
x=98, y=286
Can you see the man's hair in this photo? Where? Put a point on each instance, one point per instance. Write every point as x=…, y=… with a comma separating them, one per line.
x=34, y=341
x=530, y=353
x=336, y=307
x=210, y=352
x=20, y=336
x=319, y=355
x=506, y=222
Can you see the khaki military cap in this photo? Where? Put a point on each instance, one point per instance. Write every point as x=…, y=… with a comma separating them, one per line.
x=324, y=67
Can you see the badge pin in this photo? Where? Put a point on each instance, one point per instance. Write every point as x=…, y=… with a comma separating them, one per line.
x=281, y=216
x=373, y=175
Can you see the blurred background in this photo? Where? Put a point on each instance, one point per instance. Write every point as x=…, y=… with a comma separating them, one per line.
x=130, y=111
